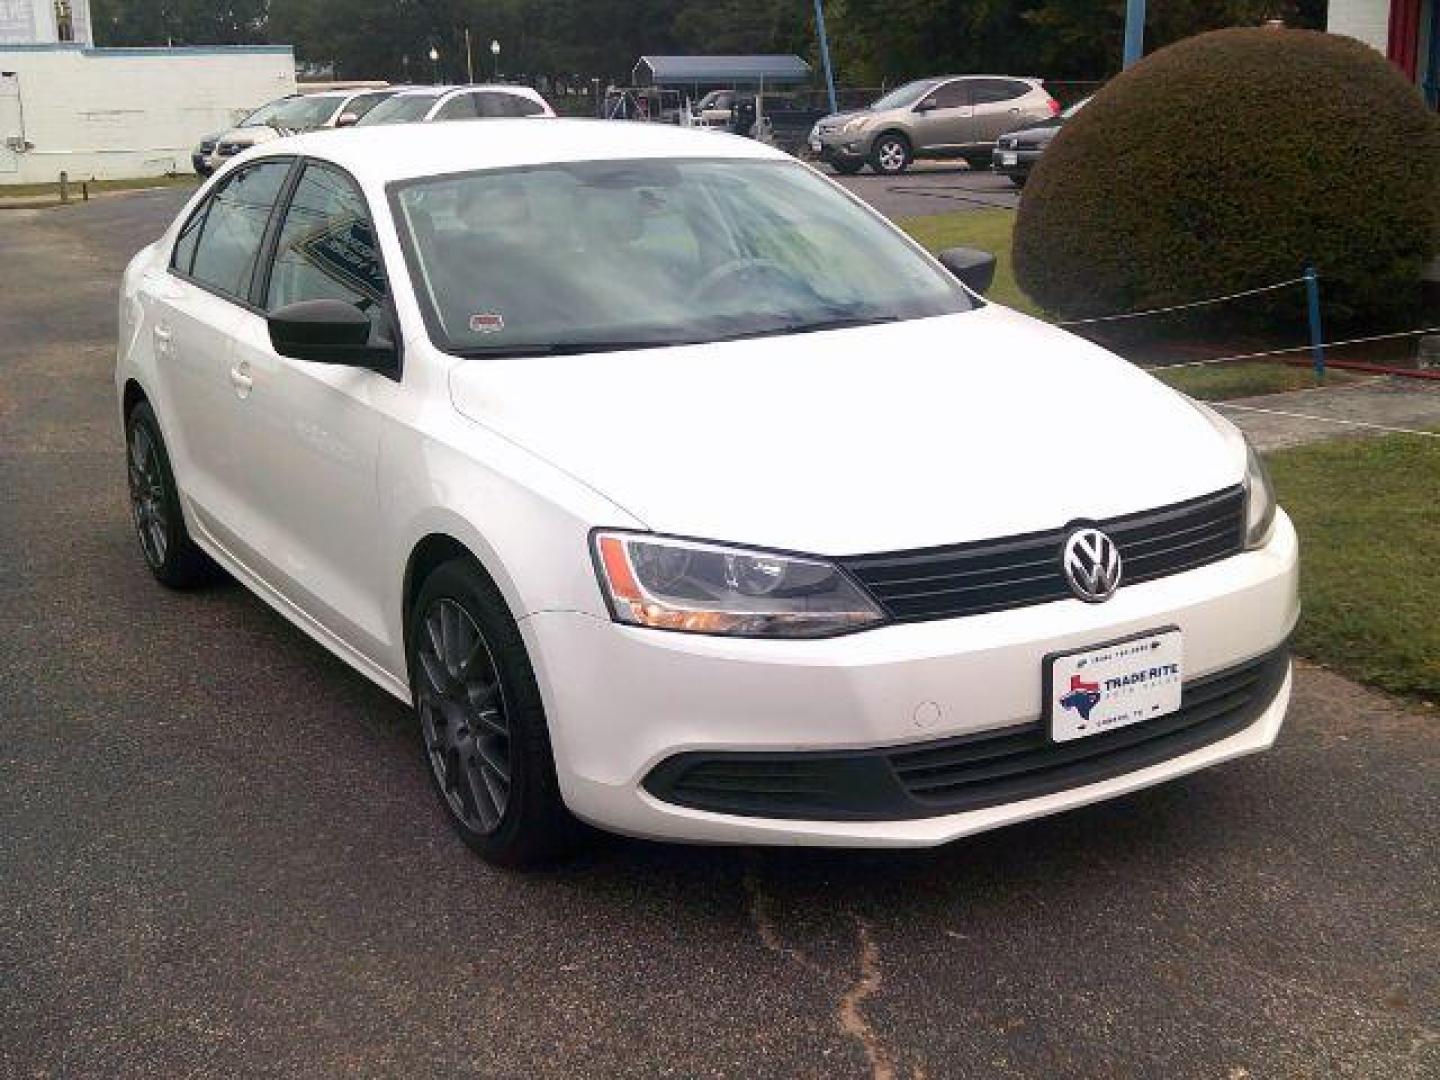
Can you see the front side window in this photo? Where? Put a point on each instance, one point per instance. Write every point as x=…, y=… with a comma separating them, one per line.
x=628, y=254
x=326, y=249
x=359, y=106
x=221, y=241
x=400, y=109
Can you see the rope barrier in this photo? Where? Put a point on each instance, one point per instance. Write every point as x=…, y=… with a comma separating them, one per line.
x=1295, y=349
x=1184, y=307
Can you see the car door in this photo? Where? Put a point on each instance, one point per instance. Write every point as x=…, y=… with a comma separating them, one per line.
x=943, y=117
x=197, y=302
x=313, y=431
x=997, y=105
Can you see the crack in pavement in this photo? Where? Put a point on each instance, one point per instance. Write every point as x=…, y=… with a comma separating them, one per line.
x=849, y=1015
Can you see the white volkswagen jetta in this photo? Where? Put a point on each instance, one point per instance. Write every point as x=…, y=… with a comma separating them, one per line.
x=684, y=495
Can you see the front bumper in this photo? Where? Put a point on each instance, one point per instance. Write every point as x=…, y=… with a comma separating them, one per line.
x=200, y=162
x=834, y=148
x=623, y=700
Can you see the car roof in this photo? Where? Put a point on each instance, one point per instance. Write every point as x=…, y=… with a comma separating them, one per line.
x=436, y=91
x=383, y=153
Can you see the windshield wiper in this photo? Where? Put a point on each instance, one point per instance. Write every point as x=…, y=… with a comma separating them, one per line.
x=568, y=348
x=785, y=329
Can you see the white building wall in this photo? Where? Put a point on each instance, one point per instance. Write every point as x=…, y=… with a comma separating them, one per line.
x=32, y=22
x=1367, y=20
x=110, y=113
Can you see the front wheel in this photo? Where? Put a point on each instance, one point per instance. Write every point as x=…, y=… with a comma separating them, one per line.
x=890, y=156
x=847, y=168
x=482, y=725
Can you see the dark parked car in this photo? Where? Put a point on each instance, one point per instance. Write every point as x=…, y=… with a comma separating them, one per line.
x=1017, y=151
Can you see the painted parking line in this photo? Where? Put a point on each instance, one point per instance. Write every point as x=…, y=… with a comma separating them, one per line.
x=1327, y=420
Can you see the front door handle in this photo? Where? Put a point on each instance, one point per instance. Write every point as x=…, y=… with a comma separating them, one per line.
x=161, y=337
x=241, y=379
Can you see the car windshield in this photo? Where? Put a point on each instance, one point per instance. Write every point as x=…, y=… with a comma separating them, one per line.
x=1073, y=109
x=303, y=114
x=632, y=254
x=904, y=96
x=400, y=109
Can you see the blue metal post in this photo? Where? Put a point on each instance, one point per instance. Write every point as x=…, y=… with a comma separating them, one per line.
x=1134, y=31
x=825, y=53
x=1317, y=339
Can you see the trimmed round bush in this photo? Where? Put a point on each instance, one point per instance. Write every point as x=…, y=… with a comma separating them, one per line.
x=1234, y=159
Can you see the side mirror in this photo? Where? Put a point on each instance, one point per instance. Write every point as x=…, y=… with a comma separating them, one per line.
x=329, y=332
x=974, y=268
x=346, y=119
x=926, y=105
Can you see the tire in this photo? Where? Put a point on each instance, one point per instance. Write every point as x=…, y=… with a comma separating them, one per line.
x=890, y=156
x=979, y=164
x=155, y=507
x=1018, y=181
x=483, y=735
x=847, y=168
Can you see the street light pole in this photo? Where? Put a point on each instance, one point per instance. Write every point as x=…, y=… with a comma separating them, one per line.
x=469, y=61
x=1134, y=31
x=825, y=53
x=495, y=52
x=435, y=65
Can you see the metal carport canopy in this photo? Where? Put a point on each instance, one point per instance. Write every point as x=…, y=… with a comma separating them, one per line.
x=693, y=70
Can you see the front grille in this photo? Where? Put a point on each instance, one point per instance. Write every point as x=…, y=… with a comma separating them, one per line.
x=229, y=149
x=994, y=575
x=966, y=773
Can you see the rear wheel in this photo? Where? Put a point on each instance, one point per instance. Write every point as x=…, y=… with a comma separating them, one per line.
x=155, y=506
x=890, y=154
x=482, y=725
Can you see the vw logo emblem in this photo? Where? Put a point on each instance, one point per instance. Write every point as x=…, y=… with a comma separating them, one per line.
x=1092, y=565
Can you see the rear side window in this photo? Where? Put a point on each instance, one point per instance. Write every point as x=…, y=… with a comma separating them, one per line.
x=327, y=246
x=950, y=96
x=492, y=104
x=990, y=91
x=220, y=243
x=460, y=107
x=523, y=106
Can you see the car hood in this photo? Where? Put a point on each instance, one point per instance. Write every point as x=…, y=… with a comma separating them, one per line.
x=836, y=119
x=902, y=435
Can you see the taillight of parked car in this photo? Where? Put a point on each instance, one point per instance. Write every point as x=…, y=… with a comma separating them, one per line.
x=1054, y=107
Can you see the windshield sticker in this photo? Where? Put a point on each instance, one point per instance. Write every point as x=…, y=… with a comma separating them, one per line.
x=488, y=322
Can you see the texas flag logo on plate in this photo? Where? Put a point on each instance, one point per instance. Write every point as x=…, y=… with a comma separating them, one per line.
x=1111, y=686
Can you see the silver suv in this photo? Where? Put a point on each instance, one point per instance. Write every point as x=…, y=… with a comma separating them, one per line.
x=950, y=116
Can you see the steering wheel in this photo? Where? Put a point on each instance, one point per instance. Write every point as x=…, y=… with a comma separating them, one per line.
x=735, y=268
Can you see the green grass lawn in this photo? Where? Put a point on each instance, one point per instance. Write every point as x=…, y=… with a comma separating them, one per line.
x=989, y=230
x=1221, y=382
x=1368, y=513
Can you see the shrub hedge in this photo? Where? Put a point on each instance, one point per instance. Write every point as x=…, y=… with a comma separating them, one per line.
x=1233, y=159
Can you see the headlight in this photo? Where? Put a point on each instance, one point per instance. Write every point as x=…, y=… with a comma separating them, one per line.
x=1259, y=501
x=713, y=589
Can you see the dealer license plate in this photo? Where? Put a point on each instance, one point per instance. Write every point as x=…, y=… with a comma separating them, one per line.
x=1112, y=686
x=1009, y=159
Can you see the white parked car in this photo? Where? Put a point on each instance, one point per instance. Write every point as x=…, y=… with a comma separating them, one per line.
x=683, y=494
x=425, y=103
x=288, y=116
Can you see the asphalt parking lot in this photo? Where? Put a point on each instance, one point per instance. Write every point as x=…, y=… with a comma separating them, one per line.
x=219, y=855
x=932, y=187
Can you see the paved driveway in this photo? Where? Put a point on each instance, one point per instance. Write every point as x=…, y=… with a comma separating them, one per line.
x=219, y=856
